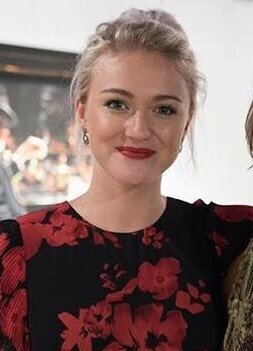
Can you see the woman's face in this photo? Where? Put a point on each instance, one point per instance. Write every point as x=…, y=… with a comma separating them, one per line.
x=136, y=114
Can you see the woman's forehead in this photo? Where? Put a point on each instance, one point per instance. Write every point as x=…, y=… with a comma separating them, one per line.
x=138, y=70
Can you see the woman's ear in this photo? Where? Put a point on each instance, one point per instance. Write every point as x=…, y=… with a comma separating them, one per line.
x=80, y=113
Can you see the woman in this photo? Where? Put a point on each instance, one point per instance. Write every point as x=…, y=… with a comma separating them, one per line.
x=239, y=286
x=122, y=267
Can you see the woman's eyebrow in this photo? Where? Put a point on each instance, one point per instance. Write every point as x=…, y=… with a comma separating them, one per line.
x=129, y=94
x=118, y=91
x=171, y=97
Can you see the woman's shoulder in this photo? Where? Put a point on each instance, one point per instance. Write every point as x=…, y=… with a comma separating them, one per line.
x=54, y=225
x=28, y=231
x=38, y=216
x=227, y=227
x=231, y=213
x=228, y=219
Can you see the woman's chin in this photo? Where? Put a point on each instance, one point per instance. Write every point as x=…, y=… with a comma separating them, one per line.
x=127, y=175
x=134, y=180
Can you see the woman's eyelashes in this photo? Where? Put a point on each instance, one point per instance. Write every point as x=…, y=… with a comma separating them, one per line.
x=116, y=105
x=165, y=111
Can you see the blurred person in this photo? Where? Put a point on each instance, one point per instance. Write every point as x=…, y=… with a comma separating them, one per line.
x=9, y=206
x=239, y=286
x=7, y=141
x=8, y=121
x=122, y=267
x=51, y=114
x=6, y=108
x=31, y=148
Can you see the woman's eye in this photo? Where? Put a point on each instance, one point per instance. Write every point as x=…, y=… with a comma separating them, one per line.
x=117, y=105
x=165, y=110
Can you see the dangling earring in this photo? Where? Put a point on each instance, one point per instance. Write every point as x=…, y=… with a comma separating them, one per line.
x=85, y=137
x=181, y=147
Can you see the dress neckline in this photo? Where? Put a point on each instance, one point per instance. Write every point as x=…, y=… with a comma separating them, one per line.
x=154, y=224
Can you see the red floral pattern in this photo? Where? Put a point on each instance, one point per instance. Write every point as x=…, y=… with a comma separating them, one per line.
x=234, y=213
x=14, y=269
x=160, y=280
x=64, y=230
x=146, y=330
x=111, y=276
x=55, y=227
x=14, y=311
x=154, y=238
x=148, y=304
x=101, y=238
x=194, y=299
x=121, y=295
x=75, y=334
x=91, y=323
x=4, y=242
x=220, y=242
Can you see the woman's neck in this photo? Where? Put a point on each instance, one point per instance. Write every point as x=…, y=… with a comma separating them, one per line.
x=121, y=208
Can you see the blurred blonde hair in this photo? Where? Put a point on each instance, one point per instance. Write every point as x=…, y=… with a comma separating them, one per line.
x=249, y=129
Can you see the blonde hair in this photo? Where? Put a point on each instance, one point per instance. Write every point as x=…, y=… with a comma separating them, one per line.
x=249, y=129
x=152, y=30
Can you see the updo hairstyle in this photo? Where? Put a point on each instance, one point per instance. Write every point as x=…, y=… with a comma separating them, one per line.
x=153, y=31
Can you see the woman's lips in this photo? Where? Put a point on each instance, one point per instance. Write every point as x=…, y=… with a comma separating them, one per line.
x=135, y=153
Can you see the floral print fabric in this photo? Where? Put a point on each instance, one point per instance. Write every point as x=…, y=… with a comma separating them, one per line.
x=67, y=285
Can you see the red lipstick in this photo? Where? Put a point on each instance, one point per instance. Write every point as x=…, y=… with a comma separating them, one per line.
x=135, y=153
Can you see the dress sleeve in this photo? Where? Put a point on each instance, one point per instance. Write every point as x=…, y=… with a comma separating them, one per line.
x=229, y=228
x=13, y=294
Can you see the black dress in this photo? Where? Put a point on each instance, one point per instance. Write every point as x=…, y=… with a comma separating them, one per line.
x=66, y=285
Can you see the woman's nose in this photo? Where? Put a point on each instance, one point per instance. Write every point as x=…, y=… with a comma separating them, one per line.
x=138, y=126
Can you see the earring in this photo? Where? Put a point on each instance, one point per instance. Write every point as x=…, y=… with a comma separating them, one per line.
x=181, y=147
x=85, y=137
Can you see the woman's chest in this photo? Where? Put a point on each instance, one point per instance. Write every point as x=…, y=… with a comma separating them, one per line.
x=124, y=296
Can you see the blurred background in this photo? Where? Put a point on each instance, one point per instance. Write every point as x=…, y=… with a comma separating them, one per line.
x=41, y=158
